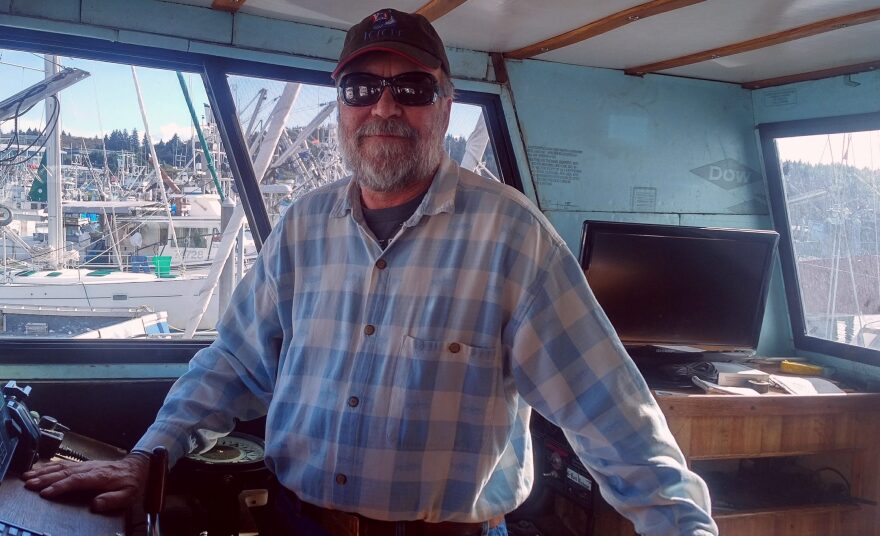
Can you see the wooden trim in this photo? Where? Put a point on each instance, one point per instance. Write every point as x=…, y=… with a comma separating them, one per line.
x=765, y=41
x=231, y=6
x=734, y=454
x=813, y=75
x=435, y=9
x=499, y=67
x=823, y=508
x=766, y=405
x=598, y=27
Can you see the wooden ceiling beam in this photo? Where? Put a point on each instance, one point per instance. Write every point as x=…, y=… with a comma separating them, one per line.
x=231, y=6
x=435, y=9
x=600, y=26
x=757, y=43
x=813, y=75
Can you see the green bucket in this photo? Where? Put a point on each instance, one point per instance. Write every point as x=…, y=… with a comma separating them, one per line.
x=162, y=265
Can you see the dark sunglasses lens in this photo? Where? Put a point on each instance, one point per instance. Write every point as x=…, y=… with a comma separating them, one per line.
x=409, y=89
x=414, y=89
x=360, y=89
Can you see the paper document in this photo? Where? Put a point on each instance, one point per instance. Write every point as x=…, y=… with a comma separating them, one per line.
x=679, y=348
x=737, y=375
x=804, y=385
x=710, y=387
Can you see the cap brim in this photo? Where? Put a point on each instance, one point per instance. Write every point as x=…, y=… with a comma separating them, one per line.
x=413, y=54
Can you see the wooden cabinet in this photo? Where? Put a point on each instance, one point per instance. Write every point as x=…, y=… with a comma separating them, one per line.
x=843, y=427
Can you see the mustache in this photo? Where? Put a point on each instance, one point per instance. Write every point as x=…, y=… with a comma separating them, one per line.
x=386, y=127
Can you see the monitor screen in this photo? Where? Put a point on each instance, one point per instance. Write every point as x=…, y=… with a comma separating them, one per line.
x=691, y=286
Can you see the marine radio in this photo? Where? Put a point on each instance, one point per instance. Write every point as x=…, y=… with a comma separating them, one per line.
x=19, y=432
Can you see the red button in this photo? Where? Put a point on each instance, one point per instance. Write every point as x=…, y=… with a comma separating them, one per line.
x=381, y=264
x=454, y=347
x=369, y=329
x=353, y=402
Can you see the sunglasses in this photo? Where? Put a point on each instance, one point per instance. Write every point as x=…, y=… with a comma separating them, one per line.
x=408, y=89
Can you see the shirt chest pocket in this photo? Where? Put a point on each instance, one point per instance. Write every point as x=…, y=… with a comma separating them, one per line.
x=443, y=395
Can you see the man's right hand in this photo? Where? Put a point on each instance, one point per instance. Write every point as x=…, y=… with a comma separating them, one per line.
x=118, y=484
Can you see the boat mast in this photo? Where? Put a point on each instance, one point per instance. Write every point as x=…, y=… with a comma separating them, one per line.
x=209, y=160
x=160, y=184
x=54, y=184
x=276, y=126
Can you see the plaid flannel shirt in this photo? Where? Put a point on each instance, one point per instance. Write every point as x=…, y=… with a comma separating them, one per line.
x=399, y=383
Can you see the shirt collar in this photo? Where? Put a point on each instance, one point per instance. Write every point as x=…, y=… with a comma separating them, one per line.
x=439, y=198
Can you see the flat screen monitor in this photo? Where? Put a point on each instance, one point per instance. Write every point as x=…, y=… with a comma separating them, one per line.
x=664, y=285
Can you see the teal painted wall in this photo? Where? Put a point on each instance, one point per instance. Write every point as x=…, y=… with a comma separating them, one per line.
x=658, y=149
x=841, y=95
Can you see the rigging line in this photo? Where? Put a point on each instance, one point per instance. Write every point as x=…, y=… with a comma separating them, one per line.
x=852, y=278
x=46, y=57
x=53, y=121
x=21, y=66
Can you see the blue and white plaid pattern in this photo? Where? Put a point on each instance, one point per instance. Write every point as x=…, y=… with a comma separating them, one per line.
x=403, y=389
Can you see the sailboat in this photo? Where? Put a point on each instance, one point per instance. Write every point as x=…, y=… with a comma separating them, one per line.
x=49, y=283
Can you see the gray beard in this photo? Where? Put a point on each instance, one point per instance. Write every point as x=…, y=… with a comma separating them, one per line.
x=394, y=166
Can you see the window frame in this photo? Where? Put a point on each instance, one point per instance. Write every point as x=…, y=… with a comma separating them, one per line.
x=213, y=71
x=768, y=133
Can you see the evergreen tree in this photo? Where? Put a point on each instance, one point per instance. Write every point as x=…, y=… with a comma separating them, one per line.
x=134, y=141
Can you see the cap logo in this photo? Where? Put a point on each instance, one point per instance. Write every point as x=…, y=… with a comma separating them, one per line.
x=382, y=19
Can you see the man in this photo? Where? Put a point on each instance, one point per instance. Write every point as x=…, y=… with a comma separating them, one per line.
x=399, y=327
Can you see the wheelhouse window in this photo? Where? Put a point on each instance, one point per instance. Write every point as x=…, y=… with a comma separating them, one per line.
x=824, y=178
x=106, y=231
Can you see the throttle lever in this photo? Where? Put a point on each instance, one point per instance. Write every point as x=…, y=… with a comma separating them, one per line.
x=154, y=495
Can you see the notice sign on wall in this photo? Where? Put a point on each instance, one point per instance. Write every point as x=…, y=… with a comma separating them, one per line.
x=553, y=165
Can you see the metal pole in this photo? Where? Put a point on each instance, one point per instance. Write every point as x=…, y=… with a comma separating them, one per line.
x=239, y=259
x=54, y=184
x=226, y=284
x=205, y=149
x=276, y=125
x=160, y=185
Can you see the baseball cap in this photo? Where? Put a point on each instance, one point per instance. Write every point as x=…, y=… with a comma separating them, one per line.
x=388, y=30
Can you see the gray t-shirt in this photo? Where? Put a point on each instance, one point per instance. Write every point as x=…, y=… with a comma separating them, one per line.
x=385, y=222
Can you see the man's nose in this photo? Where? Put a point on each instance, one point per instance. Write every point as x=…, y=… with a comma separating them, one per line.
x=386, y=106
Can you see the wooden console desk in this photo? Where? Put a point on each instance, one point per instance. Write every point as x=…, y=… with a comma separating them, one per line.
x=723, y=427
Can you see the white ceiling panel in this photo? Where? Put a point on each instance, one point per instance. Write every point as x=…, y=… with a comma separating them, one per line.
x=699, y=27
x=505, y=25
x=795, y=57
x=332, y=13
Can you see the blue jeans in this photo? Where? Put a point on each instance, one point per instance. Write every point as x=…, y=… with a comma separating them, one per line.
x=500, y=530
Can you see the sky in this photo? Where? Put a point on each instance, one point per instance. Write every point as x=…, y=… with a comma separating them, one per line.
x=862, y=149
x=107, y=100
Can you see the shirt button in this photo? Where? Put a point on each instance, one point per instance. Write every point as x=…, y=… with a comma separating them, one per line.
x=381, y=264
x=353, y=402
x=369, y=329
x=341, y=479
x=454, y=347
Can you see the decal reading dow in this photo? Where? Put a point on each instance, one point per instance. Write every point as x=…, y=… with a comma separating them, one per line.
x=727, y=174
x=553, y=165
x=644, y=199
